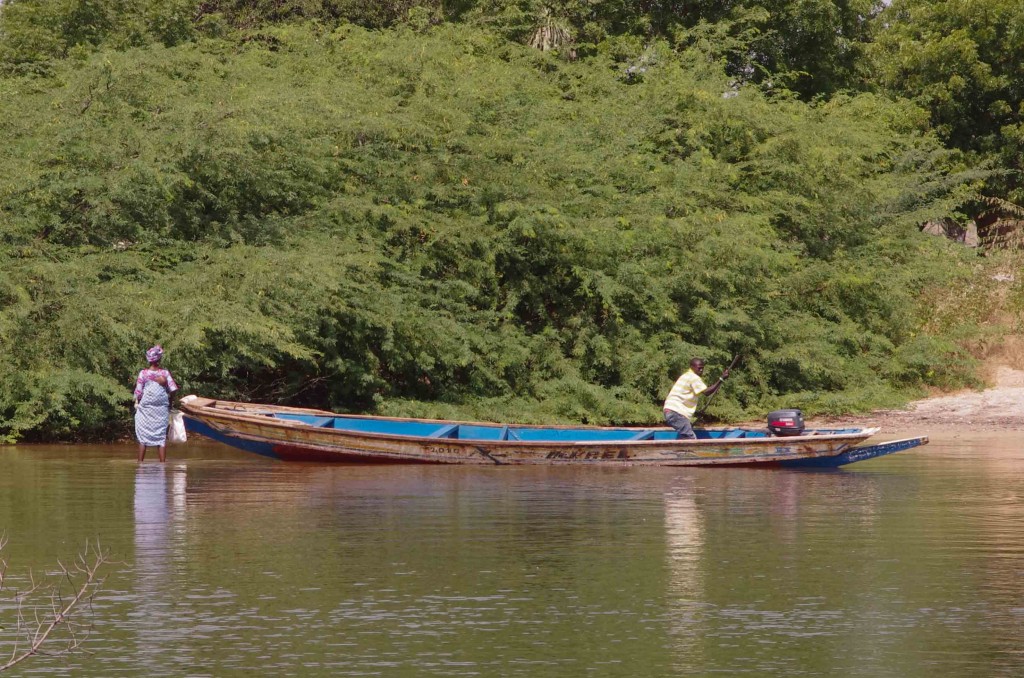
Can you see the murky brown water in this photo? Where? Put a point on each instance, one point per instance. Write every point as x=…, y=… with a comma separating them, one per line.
x=910, y=565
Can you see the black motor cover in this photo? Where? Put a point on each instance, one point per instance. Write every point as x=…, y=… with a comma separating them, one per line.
x=786, y=422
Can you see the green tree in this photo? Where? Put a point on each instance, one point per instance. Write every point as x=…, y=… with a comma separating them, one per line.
x=813, y=47
x=34, y=34
x=961, y=61
x=440, y=222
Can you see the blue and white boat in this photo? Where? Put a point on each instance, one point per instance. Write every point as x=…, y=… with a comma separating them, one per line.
x=289, y=433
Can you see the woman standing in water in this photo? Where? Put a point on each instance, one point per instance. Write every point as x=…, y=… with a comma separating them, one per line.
x=153, y=391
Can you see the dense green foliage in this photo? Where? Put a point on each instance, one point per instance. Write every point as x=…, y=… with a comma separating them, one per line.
x=958, y=59
x=963, y=61
x=432, y=220
x=813, y=45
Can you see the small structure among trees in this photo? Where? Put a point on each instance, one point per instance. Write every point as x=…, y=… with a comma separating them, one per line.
x=999, y=226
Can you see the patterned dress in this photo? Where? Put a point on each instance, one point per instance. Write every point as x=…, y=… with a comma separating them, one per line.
x=154, y=406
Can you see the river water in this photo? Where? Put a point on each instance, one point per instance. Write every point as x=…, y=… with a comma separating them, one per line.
x=227, y=563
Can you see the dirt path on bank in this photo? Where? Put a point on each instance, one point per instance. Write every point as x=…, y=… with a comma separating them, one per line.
x=999, y=408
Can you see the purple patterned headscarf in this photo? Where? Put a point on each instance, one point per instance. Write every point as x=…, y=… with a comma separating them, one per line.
x=154, y=354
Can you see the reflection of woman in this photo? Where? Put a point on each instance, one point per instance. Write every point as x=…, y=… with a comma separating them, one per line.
x=153, y=391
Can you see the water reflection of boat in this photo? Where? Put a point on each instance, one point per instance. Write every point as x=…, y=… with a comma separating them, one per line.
x=316, y=435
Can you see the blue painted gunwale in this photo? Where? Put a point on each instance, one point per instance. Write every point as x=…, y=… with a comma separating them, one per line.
x=415, y=428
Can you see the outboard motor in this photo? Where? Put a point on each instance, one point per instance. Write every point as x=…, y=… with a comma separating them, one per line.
x=786, y=422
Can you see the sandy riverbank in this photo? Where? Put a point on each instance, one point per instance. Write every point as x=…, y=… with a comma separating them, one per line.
x=1000, y=408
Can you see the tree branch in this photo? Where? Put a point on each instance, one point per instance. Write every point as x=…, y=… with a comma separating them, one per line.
x=83, y=579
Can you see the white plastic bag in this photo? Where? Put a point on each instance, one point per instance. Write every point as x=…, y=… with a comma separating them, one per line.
x=176, y=427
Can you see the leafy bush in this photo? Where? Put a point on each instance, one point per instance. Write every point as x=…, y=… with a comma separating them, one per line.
x=443, y=223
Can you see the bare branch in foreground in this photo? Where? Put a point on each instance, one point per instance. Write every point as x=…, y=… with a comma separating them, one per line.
x=65, y=592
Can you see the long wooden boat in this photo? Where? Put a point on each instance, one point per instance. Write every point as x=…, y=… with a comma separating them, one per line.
x=315, y=435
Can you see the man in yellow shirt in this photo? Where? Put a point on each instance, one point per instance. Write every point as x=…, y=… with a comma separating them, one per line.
x=682, y=399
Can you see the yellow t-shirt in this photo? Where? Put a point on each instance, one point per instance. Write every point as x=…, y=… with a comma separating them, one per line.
x=683, y=396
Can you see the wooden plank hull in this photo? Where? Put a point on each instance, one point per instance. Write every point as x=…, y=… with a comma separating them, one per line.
x=290, y=434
